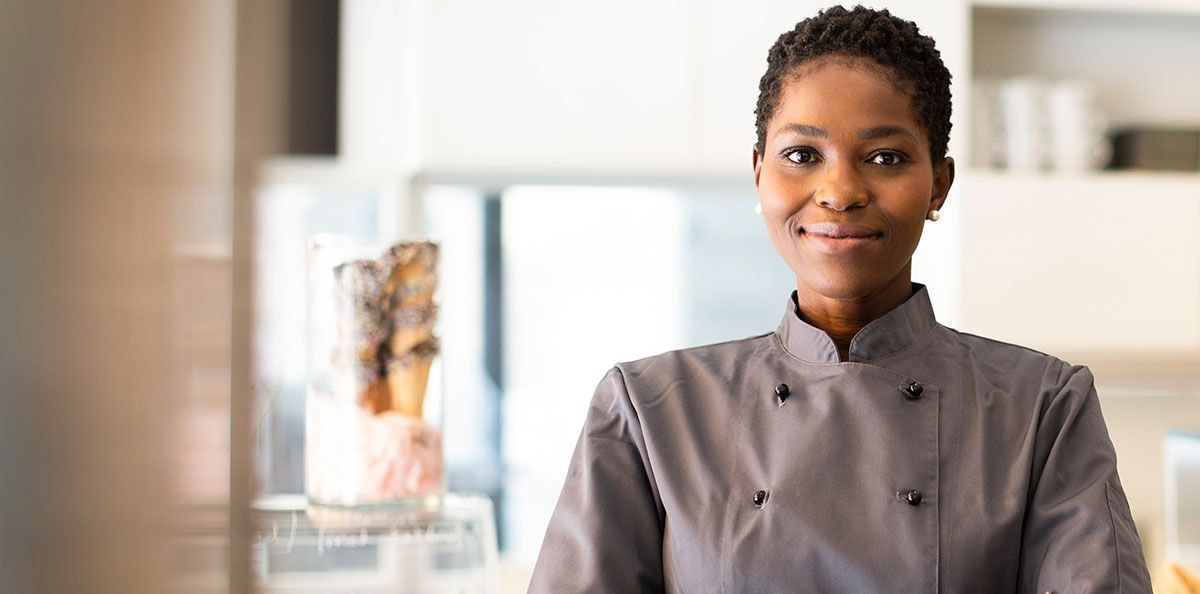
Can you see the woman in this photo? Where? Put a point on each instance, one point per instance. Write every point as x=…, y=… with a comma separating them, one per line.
x=862, y=446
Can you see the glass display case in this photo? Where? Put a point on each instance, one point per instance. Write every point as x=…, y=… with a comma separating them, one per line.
x=373, y=412
x=1181, y=490
x=446, y=545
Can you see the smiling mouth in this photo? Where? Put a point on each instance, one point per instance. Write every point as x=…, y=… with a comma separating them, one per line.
x=839, y=230
x=839, y=239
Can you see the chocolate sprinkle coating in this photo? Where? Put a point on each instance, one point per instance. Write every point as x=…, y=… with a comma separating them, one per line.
x=372, y=303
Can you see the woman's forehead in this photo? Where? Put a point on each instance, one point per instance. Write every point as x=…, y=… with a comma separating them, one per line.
x=843, y=93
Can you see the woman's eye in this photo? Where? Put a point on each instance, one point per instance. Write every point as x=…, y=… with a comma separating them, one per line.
x=801, y=155
x=886, y=158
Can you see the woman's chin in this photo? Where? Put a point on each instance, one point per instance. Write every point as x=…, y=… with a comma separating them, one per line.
x=839, y=286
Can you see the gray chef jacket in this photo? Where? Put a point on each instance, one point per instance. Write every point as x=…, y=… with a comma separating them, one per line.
x=931, y=461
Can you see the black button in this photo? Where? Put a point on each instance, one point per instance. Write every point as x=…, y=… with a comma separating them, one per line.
x=760, y=497
x=913, y=390
x=912, y=497
x=781, y=392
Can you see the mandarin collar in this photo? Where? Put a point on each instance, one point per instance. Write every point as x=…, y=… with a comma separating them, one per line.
x=893, y=331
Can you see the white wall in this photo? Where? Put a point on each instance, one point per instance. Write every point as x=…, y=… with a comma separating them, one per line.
x=663, y=87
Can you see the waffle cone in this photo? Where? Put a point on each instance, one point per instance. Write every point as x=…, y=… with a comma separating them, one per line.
x=376, y=396
x=407, y=387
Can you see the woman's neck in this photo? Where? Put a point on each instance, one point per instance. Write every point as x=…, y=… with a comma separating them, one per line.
x=841, y=318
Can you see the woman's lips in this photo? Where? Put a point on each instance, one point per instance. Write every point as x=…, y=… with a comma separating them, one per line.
x=839, y=238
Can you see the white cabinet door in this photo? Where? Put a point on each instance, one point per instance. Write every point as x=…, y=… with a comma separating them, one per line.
x=1097, y=264
x=557, y=87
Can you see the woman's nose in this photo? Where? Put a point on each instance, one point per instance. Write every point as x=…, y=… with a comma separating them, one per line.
x=841, y=188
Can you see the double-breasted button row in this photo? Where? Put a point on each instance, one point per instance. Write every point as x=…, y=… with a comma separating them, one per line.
x=912, y=497
x=911, y=391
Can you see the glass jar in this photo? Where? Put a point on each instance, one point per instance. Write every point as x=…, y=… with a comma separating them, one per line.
x=373, y=411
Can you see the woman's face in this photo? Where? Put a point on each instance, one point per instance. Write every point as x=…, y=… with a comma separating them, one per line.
x=846, y=180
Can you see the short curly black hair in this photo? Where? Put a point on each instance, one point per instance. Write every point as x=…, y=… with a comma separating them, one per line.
x=895, y=44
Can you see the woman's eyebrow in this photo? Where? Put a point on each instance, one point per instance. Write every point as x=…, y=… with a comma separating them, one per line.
x=806, y=130
x=874, y=133
x=883, y=132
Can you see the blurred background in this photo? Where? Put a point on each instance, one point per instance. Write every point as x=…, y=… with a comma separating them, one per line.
x=586, y=170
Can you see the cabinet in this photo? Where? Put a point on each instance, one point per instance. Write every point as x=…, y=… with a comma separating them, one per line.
x=1103, y=265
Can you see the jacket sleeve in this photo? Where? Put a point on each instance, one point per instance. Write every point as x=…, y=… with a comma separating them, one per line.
x=1078, y=535
x=606, y=532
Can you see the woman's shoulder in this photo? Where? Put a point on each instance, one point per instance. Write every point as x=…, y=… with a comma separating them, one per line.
x=714, y=359
x=1000, y=359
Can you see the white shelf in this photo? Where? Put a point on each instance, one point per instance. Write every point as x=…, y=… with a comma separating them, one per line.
x=1138, y=56
x=1177, y=7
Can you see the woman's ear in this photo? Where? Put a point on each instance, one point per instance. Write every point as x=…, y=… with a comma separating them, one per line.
x=756, y=161
x=943, y=178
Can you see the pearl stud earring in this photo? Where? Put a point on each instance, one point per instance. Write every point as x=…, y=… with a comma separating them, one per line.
x=934, y=215
x=758, y=209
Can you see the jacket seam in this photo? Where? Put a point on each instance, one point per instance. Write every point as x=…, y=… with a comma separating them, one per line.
x=937, y=518
x=614, y=440
x=1001, y=342
x=915, y=343
x=739, y=430
x=1113, y=519
x=651, y=477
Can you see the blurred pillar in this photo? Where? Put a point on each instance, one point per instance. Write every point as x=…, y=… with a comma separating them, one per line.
x=114, y=117
x=261, y=125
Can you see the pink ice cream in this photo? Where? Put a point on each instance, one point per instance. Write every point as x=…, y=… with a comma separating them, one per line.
x=357, y=457
x=403, y=456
